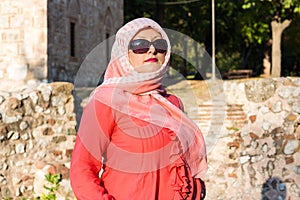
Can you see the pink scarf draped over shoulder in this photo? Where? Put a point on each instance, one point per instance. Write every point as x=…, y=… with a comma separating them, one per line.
x=123, y=90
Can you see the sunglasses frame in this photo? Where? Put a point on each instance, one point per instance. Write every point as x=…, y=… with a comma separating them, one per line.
x=140, y=46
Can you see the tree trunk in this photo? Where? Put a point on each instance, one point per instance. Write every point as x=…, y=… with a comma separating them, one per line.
x=277, y=29
x=266, y=65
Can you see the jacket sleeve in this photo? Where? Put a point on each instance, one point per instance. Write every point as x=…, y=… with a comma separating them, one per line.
x=176, y=101
x=199, y=185
x=92, y=139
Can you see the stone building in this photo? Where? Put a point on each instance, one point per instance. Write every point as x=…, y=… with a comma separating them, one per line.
x=47, y=40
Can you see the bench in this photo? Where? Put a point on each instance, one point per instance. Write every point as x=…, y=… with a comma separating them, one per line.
x=238, y=73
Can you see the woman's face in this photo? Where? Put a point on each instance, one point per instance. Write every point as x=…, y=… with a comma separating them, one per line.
x=151, y=60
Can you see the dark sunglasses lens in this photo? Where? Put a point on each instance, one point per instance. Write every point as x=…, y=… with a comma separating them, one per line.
x=139, y=46
x=160, y=45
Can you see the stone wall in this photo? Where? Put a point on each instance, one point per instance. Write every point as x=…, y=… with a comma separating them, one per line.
x=94, y=21
x=37, y=134
x=253, y=142
x=262, y=157
x=23, y=41
x=39, y=44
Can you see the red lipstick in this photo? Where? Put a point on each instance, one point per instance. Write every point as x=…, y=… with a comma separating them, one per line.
x=151, y=60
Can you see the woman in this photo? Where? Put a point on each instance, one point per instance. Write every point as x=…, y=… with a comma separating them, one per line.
x=134, y=131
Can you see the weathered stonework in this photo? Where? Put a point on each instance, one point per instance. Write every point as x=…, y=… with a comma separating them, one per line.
x=94, y=21
x=23, y=41
x=259, y=141
x=43, y=40
x=37, y=134
x=265, y=148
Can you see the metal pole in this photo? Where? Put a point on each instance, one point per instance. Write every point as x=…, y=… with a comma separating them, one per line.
x=213, y=76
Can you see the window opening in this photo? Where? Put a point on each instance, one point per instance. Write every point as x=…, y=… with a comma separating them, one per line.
x=107, y=47
x=72, y=39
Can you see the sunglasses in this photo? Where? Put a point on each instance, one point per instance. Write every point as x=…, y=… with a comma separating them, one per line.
x=140, y=46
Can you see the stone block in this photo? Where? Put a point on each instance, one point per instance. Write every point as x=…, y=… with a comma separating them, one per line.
x=17, y=71
x=4, y=21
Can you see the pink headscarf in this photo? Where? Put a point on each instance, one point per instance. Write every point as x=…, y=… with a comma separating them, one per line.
x=120, y=71
x=125, y=91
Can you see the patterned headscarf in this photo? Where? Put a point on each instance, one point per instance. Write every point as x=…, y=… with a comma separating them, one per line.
x=126, y=91
x=120, y=70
